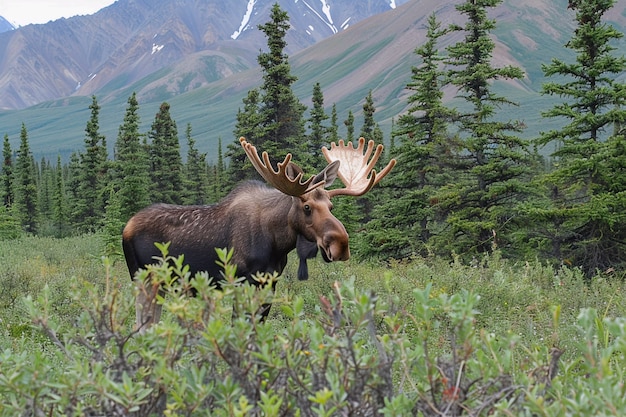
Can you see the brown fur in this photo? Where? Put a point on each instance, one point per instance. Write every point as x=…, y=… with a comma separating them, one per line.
x=260, y=224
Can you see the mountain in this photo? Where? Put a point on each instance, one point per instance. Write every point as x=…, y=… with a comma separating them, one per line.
x=132, y=39
x=375, y=54
x=5, y=26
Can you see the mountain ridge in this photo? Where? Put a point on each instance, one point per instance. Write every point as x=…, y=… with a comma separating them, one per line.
x=132, y=39
x=374, y=54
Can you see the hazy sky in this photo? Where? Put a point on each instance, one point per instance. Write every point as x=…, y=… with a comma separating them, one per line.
x=23, y=12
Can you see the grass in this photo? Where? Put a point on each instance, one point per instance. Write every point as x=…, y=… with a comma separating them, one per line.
x=518, y=312
x=514, y=298
x=518, y=298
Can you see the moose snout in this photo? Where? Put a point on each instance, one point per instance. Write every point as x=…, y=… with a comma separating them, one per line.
x=336, y=247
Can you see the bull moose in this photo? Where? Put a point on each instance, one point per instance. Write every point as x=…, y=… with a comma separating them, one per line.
x=259, y=223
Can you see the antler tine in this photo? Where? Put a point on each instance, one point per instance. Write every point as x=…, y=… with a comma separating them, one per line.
x=354, y=167
x=278, y=179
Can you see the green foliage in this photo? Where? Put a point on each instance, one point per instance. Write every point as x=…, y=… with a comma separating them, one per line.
x=403, y=221
x=582, y=217
x=405, y=341
x=26, y=186
x=8, y=177
x=249, y=125
x=318, y=136
x=91, y=175
x=10, y=227
x=196, y=178
x=281, y=111
x=165, y=161
x=113, y=225
x=491, y=165
x=131, y=165
x=367, y=130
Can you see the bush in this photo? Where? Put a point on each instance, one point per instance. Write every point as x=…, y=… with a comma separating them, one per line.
x=360, y=354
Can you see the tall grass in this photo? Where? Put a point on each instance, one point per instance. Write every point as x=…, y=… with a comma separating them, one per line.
x=425, y=334
x=517, y=298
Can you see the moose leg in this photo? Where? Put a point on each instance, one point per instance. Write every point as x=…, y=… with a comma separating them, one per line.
x=147, y=309
x=305, y=250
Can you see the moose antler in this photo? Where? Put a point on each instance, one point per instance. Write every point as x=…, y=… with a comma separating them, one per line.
x=278, y=179
x=354, y=168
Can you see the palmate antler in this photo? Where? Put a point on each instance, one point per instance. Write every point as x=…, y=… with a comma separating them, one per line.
x=354, y=168
x=279, y=179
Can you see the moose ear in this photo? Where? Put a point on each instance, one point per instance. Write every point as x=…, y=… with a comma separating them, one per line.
x=328, y=174
x=293, y=170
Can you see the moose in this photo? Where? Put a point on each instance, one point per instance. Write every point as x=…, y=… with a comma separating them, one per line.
x=260, y=224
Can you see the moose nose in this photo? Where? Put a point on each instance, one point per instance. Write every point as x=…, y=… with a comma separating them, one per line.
x=337, y=247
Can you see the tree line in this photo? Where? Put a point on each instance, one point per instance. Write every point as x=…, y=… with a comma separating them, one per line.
x=466, y=182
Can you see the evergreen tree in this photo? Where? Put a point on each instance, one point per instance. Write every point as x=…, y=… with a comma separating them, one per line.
x=26, y=185
x=582, y=220
x=196, y=179
x=218, y=189
x=317, y=137
x=250, y=126
x=113, y=223
x=272, y=118
x=349, y=123
x=494, y=162
x=89, y=209
x=165, y=160
x=73, y=184
x=333, y=130
x=8, y=193
x=369, y=124
x=59, y=204
x=45, y=189
x=403, y=223
x=282, y=112
x=132, y=175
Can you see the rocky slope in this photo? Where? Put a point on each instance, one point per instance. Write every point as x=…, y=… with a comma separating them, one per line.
x=134, y=39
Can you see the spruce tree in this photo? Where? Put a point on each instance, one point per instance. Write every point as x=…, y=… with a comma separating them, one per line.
x=113, y=223
x=493, y=162
x=8, y=193
x=59, y=202
x=333, y=129
x=132, y=175
x=369, y=124
x=403, y=223
x=282, y=112
x=45, y=189
x=196, y=179
x=26, y=185
x=219, y=189
x=349, y=123
x=273, y=118
x=250, y=126
x=165, y=160
x=582, y=219
x=89, y=210
x=318, y=132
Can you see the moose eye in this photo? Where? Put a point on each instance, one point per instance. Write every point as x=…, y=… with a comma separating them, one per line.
x=307, y=209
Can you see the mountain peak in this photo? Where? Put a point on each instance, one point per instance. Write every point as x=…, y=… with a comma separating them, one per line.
x=5, y=25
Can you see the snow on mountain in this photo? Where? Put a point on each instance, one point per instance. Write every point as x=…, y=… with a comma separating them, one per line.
x=245, y=19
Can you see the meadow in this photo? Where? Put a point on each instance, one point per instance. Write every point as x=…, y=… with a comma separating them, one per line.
x=412, y=337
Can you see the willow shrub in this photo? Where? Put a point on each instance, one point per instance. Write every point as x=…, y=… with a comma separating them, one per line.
x=361, y=354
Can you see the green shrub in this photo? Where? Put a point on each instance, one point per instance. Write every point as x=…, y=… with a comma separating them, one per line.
x=348, y=349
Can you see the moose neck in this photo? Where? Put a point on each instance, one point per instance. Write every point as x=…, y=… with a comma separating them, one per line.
x=262, y=227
